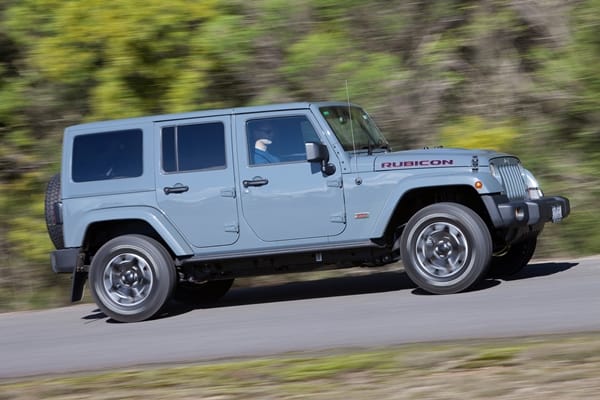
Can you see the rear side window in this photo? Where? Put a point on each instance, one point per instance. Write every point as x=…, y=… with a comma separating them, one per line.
x=107, y=155
x=193, y=147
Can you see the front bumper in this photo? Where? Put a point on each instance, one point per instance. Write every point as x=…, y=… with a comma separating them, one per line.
x=505, y=214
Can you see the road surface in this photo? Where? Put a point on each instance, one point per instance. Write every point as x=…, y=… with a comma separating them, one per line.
x=379, y=309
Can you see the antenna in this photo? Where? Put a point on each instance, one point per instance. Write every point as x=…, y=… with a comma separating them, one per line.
x=350, y=117
x=358, y=180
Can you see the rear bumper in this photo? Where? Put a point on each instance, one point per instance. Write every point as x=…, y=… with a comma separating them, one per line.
x=505, y=214
x=65, y=261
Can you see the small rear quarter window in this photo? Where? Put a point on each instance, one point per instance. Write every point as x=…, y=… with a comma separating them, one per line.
x=107, y=155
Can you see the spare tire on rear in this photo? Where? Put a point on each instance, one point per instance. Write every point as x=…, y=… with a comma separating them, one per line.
x=55, y=229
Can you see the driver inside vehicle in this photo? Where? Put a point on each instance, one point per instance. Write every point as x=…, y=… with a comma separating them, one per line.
x=262, y=136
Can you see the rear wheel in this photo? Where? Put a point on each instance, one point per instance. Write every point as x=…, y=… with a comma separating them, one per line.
x=132, y=277
x=446, y=248
x=514, y=260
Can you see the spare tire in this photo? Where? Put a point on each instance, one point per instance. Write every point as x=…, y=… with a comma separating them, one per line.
x=53, y=220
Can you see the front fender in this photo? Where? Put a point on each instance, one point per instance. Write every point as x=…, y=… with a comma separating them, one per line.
x=437, y=178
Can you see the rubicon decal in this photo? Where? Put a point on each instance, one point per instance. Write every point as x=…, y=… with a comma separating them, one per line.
x=416, y=163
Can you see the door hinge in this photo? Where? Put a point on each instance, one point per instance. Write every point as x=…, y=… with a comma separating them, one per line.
x=228, y=192
x=338, y=218
x=336, y=183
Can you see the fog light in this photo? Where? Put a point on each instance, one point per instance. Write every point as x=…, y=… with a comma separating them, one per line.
x=519, y=214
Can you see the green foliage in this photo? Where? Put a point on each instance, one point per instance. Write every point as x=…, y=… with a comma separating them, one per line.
x=369, y=76
x=473, y=132
x=27, y=236
x=126, y=59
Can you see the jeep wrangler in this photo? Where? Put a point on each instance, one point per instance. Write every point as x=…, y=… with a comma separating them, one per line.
x=180, y=205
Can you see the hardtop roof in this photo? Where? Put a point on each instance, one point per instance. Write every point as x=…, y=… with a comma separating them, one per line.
x=200, y=114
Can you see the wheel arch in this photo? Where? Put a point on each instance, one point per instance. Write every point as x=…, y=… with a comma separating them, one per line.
x=99, y=226
x=417, y=198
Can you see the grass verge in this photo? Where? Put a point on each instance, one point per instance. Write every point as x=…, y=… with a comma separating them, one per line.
x=553, y=367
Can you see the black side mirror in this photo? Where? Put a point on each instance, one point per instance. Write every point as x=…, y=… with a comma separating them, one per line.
x=317, y=152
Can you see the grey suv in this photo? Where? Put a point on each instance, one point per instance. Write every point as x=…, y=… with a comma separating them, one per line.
x=180, y=205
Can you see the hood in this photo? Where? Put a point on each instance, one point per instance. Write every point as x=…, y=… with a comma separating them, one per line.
x=434, y=158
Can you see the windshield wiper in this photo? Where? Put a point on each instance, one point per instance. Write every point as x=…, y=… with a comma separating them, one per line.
x=368, y=147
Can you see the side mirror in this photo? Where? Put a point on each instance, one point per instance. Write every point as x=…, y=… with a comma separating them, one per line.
x=317, y=152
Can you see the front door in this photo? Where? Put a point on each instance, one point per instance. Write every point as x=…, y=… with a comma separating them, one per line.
x=195, y=185
x=283, y=196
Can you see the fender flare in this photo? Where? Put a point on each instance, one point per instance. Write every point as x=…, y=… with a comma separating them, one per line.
x=437, y=179
x=157, y=220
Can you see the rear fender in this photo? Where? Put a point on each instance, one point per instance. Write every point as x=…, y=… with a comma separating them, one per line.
x=75, y=235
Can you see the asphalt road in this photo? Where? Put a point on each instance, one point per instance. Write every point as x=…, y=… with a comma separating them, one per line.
x=379, y=309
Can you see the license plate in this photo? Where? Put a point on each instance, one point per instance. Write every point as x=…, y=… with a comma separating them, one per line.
x=556, y=213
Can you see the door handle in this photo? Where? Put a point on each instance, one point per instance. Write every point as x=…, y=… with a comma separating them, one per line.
x=256, y=181
x=178, y=188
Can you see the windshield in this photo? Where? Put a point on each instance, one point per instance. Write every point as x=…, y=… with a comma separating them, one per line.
x=354, y=128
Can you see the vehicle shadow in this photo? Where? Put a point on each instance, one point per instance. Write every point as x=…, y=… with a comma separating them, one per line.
x=376, y=282
x=482, y=285
x=529, y=271
x=539, y=269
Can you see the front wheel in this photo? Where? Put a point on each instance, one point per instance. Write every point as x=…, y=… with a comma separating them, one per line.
x=446, y=248
x=131, y=277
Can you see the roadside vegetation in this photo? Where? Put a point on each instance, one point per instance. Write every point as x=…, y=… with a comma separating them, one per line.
x=545, y=368
x=516, y=76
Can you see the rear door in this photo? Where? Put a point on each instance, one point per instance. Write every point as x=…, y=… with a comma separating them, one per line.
x=283, y=196
x=195, y=179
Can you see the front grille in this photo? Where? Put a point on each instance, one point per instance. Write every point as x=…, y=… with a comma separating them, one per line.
x=512, y=180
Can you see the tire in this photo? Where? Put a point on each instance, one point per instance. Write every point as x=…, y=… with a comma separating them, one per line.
x=131, y=278
x=446, y=248
x=55, y=230
x=202, y=293
x=514, y=260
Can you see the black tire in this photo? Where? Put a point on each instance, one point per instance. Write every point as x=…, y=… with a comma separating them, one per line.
x=514, y=260
x=446, y=248
x=55, y=230
x=132, y=278
x=201, y=293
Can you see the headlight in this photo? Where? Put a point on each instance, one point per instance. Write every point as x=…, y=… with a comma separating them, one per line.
x=533, y=187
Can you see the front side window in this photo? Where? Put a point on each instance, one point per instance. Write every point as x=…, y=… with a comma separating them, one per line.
x=353, y=127
x=107, y=155
x=193, y=147
x=279, y=139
